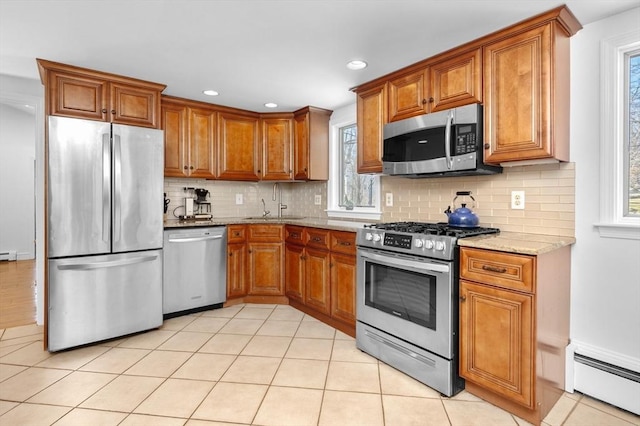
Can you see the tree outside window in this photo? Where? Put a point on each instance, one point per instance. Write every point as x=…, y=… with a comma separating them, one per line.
x=632, y=144
x=355, y=190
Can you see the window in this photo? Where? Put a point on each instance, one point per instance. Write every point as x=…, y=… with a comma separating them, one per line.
x=349, y=193
x=620, y=138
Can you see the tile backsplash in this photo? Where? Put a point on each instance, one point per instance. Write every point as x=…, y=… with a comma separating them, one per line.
x=549, y=198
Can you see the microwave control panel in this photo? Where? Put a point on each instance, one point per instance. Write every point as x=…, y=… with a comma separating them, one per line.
x=466, y=141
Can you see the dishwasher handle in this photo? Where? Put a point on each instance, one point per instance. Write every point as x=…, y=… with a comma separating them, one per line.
x=194, y=239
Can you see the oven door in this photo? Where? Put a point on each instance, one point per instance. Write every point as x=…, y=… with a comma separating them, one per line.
x=409, y=297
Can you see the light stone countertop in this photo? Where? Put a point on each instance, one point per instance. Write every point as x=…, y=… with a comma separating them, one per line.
x=511, y=242
x=333, y=224
x=515, y=242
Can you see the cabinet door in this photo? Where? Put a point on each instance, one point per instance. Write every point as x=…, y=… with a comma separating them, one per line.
x=266, y=272
x=517, y=80
x=73, y=95
x=343, y=288
x=301, y=147
x=317, y=288
x=372, y=114
x=294, y=271
x=238, y=148
x=496, y=333
x=202, y=143
x=136, y=106
x=236, y=270
x=408, y=95
x=277, y=140
x=456, y=81
x=174, y=124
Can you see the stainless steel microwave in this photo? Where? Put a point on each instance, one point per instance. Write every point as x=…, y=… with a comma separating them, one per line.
x=443, y=143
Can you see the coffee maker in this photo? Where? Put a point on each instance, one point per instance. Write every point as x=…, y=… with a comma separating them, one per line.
x=198, y=207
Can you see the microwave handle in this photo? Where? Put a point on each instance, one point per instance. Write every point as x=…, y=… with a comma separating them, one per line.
x=447, y=139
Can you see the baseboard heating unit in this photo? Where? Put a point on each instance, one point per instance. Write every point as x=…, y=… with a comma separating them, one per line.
x=8, y=255
x=610, y=383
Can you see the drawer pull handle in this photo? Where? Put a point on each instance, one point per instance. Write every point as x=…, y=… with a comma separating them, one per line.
x=494, y=269
x=317, y=239
x=294, y=235
x=344, y=243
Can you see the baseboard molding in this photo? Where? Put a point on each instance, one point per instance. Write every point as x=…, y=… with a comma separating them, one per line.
x=606, y=375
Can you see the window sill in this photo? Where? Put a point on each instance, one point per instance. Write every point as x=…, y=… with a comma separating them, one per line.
x=355, y=214
x=625, y=231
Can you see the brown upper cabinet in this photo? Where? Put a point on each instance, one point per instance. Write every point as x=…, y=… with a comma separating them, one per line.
x=520, y=74
x=189, y=139
x=238, y=147
x=277, y=146
x=82, y=93
x=526, y=91
x=454, y=80
x=311, y=140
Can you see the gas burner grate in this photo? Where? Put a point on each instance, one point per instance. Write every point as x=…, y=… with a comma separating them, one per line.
x=439, y=228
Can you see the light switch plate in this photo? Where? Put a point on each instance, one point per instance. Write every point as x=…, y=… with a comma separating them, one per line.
x=517, y=200
x=239, y=199
x=318, y=200
x=389, y=199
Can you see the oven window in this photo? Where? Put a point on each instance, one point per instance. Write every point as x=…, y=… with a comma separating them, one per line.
x=405, y=294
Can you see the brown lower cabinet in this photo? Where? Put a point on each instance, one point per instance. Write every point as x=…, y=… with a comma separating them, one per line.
x=514, y=328
x=255, y=269
x=320, y=274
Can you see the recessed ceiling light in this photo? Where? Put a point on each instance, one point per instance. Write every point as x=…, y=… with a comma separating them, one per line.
x=356, y=65
x=270, y=105
x=210, y=92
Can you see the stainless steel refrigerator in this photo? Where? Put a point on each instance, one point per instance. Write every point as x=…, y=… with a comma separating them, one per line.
x=105, y=230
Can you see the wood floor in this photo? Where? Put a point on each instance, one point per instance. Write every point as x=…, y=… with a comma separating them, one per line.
x=17, y=293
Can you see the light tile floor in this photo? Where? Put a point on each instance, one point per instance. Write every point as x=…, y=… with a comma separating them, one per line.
x=245, y=364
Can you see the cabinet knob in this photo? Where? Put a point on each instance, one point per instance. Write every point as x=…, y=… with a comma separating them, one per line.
x=258, y=171
x=463, y=298
x=230, y=254
x=237, y=234
x=104, y=111
x=185, y=167
x=305, y=169
x=191, y=167
x=424, y=101
x=113, y=111
x=487, y=146
x=431, y=100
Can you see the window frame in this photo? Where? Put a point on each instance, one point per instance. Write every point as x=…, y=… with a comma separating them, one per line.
x=613, y=86
x=344, y=118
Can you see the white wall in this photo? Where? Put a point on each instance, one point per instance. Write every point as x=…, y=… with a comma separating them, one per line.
x=14, y=89
x=17, y=184
x=605, y=284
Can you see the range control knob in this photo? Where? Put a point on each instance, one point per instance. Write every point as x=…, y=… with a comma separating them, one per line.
x=428, y=244
x=439, y=246
x=368, y=236
x=418, y=243
x=376, y=237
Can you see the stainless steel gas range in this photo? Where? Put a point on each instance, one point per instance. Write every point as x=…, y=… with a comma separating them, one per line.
x=407, y=298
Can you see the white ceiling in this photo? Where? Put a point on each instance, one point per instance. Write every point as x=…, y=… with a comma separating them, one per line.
x=292, y=52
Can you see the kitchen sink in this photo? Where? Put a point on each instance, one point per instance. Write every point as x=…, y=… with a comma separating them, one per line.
x=274, y=218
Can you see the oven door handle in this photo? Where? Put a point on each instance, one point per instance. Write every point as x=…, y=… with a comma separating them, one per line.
x=433, y=267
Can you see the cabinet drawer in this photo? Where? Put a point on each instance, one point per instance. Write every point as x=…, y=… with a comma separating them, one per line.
x=236, y=233
x=294, y=234
x=513, y=271
x=269, y=233
x=343, y=242
x=318, y=238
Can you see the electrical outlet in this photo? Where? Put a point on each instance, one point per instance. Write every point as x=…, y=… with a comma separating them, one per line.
x=389, y=199
x=239, y=199
x=318, y=200
x=517, y=200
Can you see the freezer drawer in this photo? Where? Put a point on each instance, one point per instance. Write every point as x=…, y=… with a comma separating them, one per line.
x=195, y=268
x=101, y=297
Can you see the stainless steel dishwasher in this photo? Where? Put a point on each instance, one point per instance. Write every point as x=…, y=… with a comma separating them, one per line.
x=195, y=270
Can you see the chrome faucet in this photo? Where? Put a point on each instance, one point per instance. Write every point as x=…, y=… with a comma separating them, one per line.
x=273, y=198
x=265, y=212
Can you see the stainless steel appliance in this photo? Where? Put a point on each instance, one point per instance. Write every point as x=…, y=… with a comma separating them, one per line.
x=195, y=270
x=407, y=299
x=443, y=143
x=104, y=251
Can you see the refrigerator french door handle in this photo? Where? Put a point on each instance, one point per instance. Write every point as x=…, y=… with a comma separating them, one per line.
x=108, y=264
x=106, y=186
x=117, y=188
